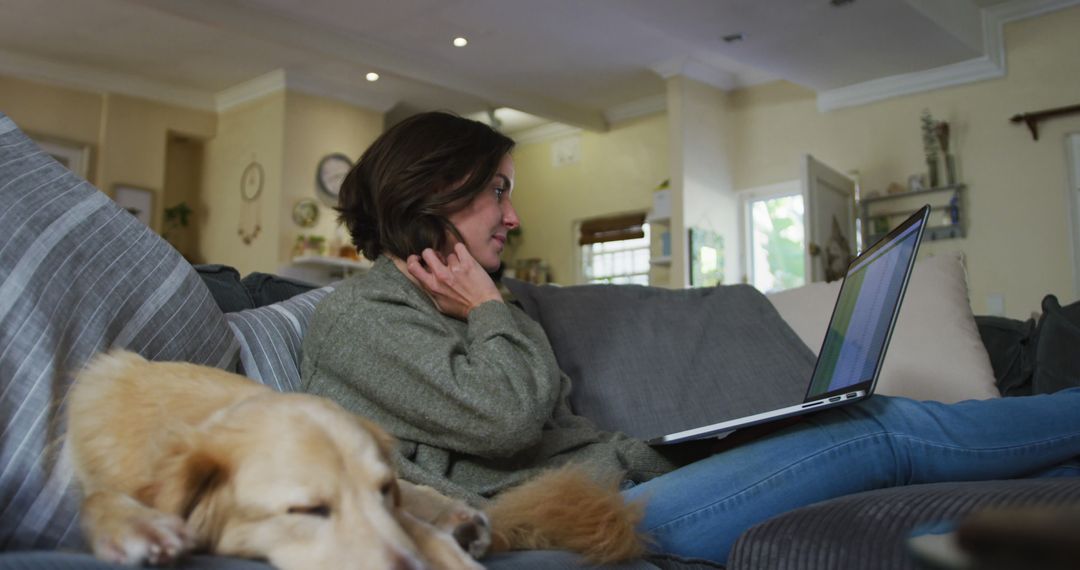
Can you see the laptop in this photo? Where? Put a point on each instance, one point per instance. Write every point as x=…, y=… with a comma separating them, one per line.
x=862, y=322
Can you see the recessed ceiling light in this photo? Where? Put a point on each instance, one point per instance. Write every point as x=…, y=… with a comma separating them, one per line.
x=460, y=42
x=372, y=76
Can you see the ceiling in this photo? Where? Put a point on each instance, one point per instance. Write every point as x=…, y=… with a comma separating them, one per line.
x=570, y=61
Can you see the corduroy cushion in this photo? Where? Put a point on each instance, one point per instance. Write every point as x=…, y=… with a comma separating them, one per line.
x=648, y=361
x=869, y=530
x=271, y=337
x=78, y=275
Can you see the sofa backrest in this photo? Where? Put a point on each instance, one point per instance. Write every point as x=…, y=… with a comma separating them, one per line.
x=78, y=275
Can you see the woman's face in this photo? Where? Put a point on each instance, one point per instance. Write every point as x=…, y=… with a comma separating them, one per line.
x=485, y=221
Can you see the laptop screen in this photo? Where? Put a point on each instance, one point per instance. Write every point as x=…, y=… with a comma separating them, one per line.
x=862, y=319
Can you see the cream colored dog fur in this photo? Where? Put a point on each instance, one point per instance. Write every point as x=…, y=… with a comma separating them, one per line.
x=175, y=457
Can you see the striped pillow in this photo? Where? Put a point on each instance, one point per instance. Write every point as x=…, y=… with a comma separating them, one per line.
x=78, y=275
x=270, y=338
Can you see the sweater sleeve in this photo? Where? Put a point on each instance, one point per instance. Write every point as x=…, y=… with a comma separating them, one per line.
x=485, y=387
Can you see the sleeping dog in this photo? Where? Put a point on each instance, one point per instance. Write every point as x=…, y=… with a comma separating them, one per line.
x=174, y=457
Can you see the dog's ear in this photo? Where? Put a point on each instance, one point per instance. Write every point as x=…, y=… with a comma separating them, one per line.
x=185, y=479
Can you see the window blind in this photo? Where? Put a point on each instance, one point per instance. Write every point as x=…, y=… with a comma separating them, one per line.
x=612, y=228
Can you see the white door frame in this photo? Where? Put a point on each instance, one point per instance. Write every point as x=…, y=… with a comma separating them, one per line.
x=746, y=198
x=1072, y=149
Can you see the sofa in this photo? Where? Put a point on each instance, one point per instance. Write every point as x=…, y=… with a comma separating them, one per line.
x=78, y=275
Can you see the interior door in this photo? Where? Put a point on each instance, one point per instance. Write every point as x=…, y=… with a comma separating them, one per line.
x=830, y=220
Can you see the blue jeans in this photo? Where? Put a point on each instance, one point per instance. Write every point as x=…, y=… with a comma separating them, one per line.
x=699, y=510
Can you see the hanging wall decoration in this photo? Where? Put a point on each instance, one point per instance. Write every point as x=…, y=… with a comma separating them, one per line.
x=251, y=185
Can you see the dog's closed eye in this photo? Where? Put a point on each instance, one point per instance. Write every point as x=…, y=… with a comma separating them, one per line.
x=321, y=510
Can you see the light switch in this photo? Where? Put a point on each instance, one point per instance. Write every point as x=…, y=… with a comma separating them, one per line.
x=995, y=304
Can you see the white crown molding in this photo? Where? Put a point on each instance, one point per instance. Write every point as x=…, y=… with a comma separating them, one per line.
x=102, y=81
x=634, y=109
x=281, y=80
x=1022, y=9
x=614, y=115
x=251, y=90
x=888, y=87
x=545, y=132
x=319, y=88
x=689, y=67
x=990, y=66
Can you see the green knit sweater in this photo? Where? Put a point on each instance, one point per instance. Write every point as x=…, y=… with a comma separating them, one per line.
x=478, y=406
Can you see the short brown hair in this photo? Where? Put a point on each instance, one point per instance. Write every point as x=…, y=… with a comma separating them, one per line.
x=398, y=196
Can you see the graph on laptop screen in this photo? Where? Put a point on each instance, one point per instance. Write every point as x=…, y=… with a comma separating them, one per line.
x=860, y=324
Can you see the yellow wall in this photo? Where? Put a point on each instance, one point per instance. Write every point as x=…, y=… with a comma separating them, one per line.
x=128, y=135
x=286, y=132
x=135, y=136
x=316, y=127
x=702, y=142
x=253, y=132
x=616, y=174
x=1018, y=243
x=65, y=114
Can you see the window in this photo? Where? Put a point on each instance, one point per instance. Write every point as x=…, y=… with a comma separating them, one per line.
x=615, y=250
x=775, y=236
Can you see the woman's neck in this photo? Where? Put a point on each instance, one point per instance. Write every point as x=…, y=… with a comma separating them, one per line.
x=403, y=268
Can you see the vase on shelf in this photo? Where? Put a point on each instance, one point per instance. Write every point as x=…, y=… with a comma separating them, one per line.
x=932, y=172
x=950, y=170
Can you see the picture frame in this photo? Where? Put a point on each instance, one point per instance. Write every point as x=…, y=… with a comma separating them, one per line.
x=138, y=201
x=74, y=156
x=706, y=257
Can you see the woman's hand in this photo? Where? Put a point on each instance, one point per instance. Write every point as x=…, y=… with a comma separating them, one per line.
x=457, y=286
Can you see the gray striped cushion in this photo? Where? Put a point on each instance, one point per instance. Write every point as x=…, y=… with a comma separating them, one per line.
x=78, y=275
x=270, y=339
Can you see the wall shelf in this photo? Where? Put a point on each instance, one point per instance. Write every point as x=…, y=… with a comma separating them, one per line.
x=323, y=269
x=948, y=212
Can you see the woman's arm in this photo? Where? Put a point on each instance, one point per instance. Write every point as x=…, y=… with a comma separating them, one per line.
x=483, y=386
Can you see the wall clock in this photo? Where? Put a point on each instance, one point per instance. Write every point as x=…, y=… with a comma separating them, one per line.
x=329, y=175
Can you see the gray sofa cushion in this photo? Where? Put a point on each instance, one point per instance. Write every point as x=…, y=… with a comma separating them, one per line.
x=1057, y=363
x=271, y=337
x=226, y=287
x=78, y=275
x=869, y=530
x=647, y=361
x=266, y=289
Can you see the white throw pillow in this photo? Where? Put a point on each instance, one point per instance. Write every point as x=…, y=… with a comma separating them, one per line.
x=935, y=352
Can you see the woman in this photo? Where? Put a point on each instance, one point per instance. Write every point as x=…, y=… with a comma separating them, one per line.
x=425, y=346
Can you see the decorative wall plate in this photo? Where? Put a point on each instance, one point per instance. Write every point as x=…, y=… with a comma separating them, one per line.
x=305, y=213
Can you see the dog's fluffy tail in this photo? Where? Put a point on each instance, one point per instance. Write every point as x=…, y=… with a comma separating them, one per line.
x=566, y=509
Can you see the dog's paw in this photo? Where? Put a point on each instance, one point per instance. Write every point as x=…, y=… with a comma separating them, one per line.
x=470, y=528
x=150, y=537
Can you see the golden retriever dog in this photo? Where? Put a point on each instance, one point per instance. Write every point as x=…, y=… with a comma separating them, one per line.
x=174, y=457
